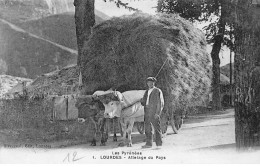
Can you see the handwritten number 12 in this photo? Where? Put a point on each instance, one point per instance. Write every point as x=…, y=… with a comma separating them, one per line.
x=73, y=157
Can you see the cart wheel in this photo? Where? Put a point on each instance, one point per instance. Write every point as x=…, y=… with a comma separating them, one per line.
x=174, y=126
x=140, y=127
x=164, y=123
x=164, y=128
x=179, y=123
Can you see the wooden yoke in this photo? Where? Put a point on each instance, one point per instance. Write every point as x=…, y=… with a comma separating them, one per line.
x=106, y=98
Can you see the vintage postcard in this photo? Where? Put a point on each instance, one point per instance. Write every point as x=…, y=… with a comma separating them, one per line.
x=122, y=82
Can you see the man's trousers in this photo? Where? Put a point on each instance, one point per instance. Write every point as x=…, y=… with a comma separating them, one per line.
x=155, y=122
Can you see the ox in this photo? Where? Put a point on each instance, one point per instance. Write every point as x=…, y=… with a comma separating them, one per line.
x=89, y=108
x=127, y=107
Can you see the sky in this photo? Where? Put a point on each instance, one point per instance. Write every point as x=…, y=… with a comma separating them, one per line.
x=149, y=6
x=109, y=8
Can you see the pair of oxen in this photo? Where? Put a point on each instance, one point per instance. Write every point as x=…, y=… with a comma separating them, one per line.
x=105, y=105
x=126, y=106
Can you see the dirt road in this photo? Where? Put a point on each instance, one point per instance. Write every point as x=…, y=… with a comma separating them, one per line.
x=202, y=139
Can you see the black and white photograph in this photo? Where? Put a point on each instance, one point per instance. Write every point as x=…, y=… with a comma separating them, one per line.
x=129, y=82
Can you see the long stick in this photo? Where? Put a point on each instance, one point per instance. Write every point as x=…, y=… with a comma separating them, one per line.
x=161, y=67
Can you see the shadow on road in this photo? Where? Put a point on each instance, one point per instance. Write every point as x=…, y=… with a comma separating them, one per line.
x=209, y=116
x=230, y=146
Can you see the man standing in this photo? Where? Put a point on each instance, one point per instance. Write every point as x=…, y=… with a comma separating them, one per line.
x=153, y=103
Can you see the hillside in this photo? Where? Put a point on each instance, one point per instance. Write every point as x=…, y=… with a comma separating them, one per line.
x=17, y=11
x=59, y=28
x=29, y=55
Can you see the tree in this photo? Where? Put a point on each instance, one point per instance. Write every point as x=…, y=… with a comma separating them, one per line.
x=247, y=74
x=218, y=13
x=84, y=21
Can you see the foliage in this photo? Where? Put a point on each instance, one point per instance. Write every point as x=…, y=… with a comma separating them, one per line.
x=31, y=120
x=119, y=3
x=204, y=11
x=219, y=31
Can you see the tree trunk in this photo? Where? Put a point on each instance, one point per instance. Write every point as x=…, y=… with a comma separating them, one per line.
x=84, y=20
x=216, y=105
x=247, y=76
x=218, y=40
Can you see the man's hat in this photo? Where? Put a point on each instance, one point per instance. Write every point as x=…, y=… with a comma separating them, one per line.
x=151, y=79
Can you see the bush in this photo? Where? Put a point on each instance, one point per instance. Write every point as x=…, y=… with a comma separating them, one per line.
x=32, y=119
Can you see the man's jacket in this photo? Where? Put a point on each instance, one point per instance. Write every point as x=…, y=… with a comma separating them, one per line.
x=156, y=101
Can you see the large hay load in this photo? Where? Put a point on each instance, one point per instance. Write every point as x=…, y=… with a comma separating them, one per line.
x=122, y=52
